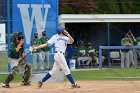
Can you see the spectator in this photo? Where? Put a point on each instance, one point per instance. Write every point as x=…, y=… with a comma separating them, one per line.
x=131, y=56
x=45, y=50
x=137, y=53
x=125, y=60
x=37, y=54
x=81, y=55
x=91, y=53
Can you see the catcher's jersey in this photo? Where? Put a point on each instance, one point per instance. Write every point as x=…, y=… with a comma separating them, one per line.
x=60, y=42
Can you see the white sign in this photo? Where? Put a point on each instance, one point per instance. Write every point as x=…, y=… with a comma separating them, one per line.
x=2, y=37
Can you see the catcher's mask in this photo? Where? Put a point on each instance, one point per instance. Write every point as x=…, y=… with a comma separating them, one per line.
x=18, y=36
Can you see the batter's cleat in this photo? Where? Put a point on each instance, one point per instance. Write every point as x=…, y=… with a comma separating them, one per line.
x=75, y=86
x=6, y=86
x=39, y=84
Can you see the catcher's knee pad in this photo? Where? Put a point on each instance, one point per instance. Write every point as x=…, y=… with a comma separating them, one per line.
x=27, y=75
x=15, y=71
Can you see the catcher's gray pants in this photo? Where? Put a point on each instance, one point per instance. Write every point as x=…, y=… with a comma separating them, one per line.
x=15, y=65
x=125, y=59
x=46, y=55
x=40, y=59
x=131, y=56
x=88, y=59
x=13, y=62
x=136, y=56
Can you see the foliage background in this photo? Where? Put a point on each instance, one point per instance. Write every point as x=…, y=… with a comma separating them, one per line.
x=99, y=6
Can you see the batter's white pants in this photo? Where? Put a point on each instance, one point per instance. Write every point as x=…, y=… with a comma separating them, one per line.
x=60, y=63
x=40, y=59
x=46, y=55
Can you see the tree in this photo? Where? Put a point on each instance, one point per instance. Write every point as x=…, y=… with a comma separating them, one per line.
x=100, y=6
x=78, y=6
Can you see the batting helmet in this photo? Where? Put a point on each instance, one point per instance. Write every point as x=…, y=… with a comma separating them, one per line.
x=60, y=29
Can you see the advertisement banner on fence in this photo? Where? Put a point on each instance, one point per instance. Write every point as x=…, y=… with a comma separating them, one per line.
x=2, y=37
x=30, y=16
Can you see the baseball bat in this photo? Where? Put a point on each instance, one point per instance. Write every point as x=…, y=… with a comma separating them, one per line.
x=23, y=57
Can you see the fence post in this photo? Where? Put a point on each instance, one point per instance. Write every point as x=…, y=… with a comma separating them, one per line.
x=100, y=57
x=8, y=30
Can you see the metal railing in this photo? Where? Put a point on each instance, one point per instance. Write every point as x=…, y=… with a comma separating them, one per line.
x=114, y=48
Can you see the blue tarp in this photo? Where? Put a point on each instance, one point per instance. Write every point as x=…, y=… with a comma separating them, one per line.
x=31, y=16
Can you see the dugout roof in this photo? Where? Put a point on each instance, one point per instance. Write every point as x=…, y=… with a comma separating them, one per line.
x=77, y=18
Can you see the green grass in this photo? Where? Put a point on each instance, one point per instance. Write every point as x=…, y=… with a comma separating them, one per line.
x=119, y=74
x=126, y=74
x=18, y=78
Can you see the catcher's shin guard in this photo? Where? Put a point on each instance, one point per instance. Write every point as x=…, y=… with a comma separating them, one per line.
x=27, y=75
x=8, y=79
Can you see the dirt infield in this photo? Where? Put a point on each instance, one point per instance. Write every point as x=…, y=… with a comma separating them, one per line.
x=86, y=87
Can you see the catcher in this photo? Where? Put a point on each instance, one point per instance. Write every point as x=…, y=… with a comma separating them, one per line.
x=17, y=59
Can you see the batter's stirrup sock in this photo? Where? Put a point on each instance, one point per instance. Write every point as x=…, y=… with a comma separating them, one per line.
x=70, y=79
x=46, y=77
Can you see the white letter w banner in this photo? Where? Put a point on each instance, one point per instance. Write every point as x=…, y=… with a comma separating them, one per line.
x=30, y=16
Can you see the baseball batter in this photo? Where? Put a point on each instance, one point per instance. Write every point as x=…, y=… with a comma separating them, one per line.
x=60, y=42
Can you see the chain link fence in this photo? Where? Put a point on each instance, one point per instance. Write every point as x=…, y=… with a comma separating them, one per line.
x=3, y=20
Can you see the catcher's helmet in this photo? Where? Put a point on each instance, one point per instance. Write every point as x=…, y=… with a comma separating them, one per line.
x=16, y=34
